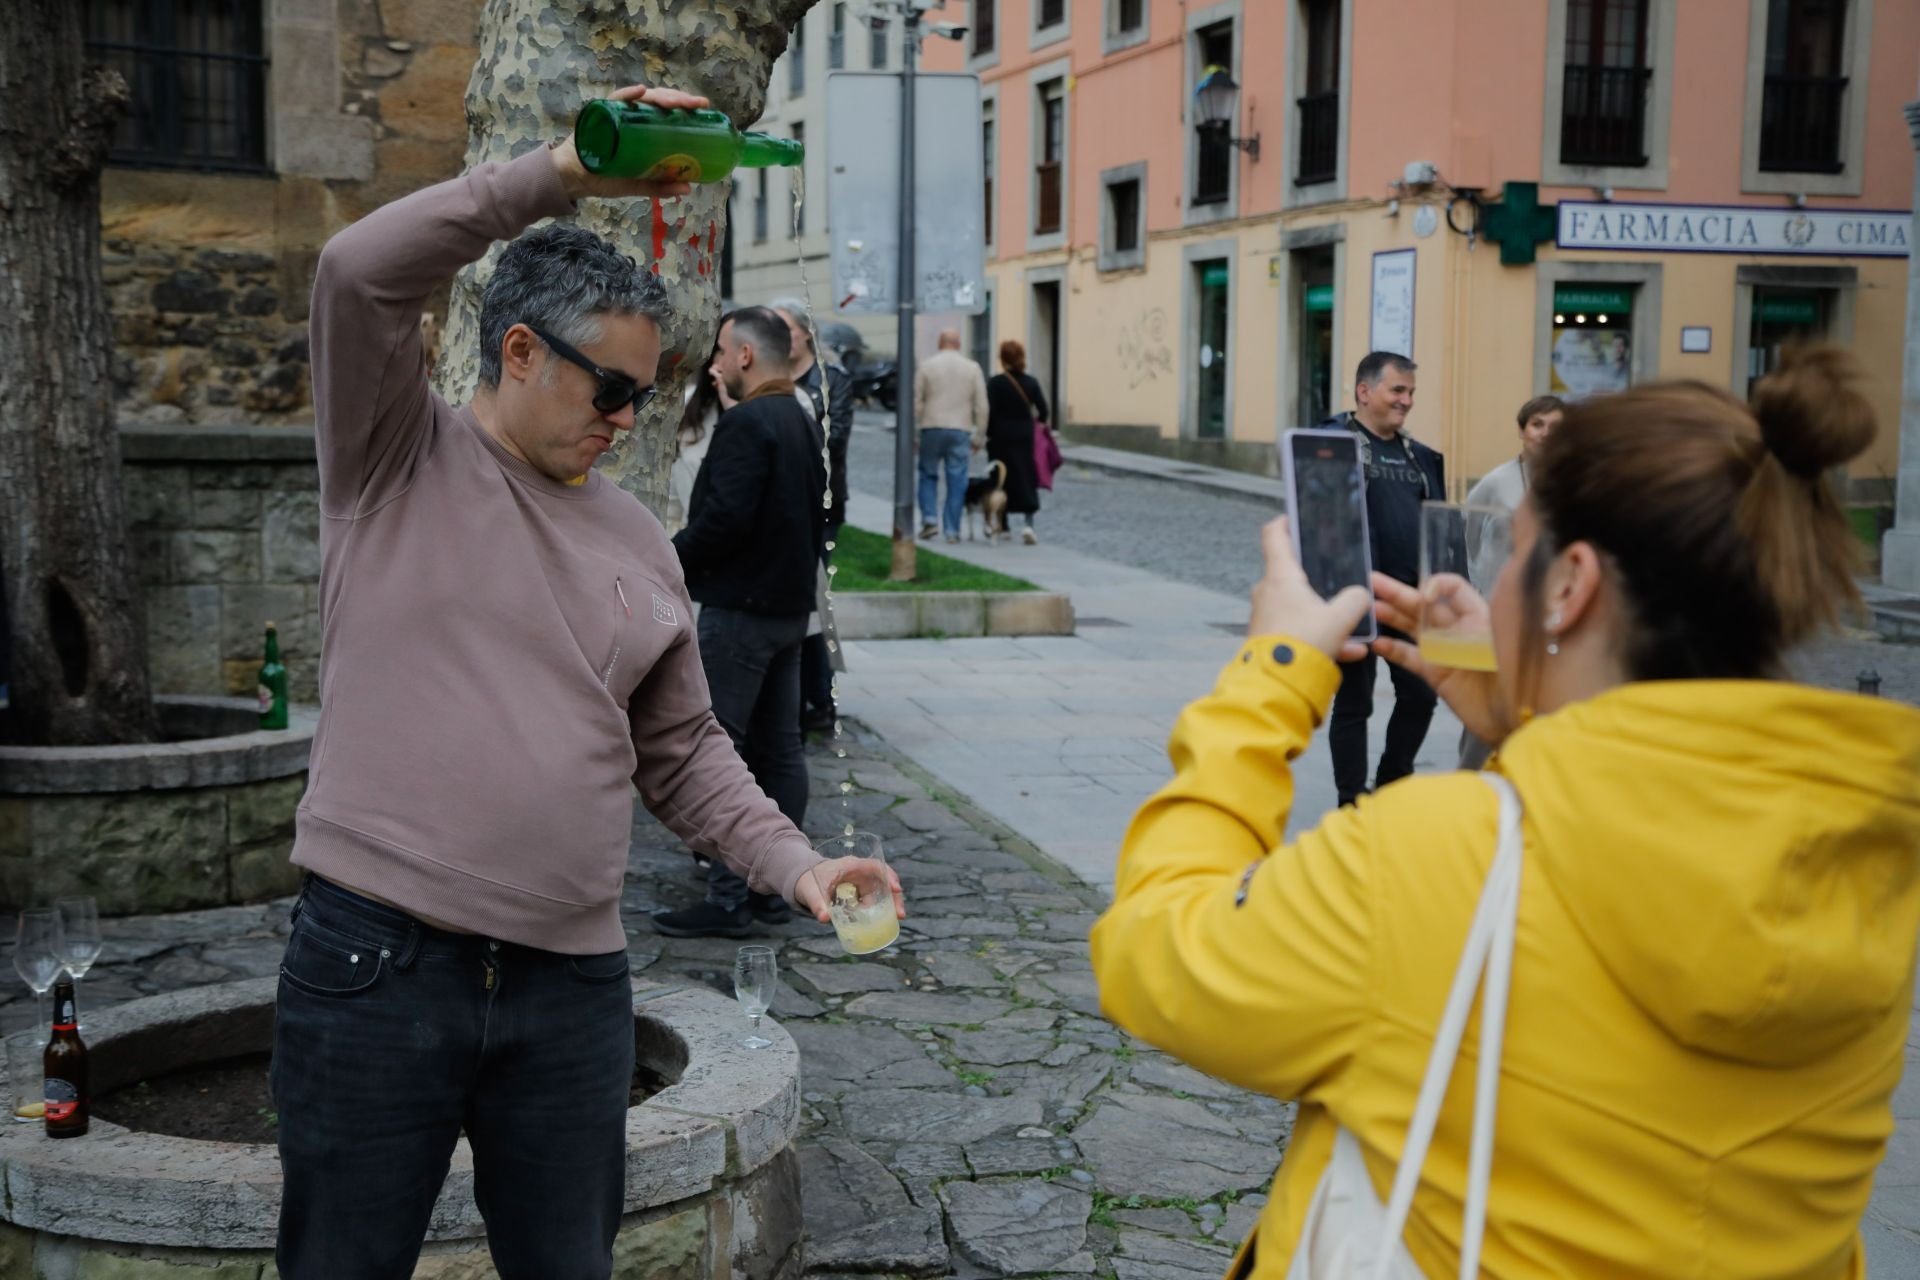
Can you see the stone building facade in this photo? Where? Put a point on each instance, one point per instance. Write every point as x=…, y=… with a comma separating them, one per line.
x=209, y=250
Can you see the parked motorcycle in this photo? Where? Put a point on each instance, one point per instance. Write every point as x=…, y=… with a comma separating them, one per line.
x=875, y=382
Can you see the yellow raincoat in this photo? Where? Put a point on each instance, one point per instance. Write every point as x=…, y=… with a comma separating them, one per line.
x=1712, y=981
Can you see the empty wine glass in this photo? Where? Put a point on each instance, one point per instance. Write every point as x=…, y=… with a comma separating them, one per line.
x=80, y=936
x=36, y=954
x=755, y=972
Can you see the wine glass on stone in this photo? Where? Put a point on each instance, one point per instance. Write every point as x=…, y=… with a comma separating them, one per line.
x=36, y=955
x=80, y=936
x=755, y=974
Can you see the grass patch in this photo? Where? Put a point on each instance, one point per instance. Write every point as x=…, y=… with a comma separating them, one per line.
x=863, y=561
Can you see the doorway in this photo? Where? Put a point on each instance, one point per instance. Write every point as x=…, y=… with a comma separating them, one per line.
x=1043, y=357
x=1313, y=270
x=1210, y=283
x=1782, y=317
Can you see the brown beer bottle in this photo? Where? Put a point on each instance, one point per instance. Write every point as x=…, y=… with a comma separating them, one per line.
x=65, y=1068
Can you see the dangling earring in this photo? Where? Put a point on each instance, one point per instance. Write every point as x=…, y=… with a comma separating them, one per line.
x=1553, y=642
x=1553, y=648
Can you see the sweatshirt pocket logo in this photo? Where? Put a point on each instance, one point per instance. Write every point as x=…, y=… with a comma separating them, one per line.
x=663, y=612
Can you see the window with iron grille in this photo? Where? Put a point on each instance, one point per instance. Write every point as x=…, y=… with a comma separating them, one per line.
x=1603, y=113
x=987, y=167
x=1052, y=13
x=879, y=36
x=1047, y=174
x=797, y=60
x=1319, y=157
x=837, y=42
x=1213, y=152
x=984, y=14
x=1805, y=92
x=760, y=206
x=198, y=74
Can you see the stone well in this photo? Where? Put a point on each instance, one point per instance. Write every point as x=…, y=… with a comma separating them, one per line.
x=712, y=1183
x=203, y=819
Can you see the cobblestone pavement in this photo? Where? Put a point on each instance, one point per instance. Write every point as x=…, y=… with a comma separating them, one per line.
x=1213, y=540
x=967, y=1110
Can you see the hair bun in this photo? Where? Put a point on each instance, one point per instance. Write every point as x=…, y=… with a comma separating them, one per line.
x=1811, y=413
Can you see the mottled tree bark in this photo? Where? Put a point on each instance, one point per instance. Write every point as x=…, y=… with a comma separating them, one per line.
x=77, y=614
x=539, y=59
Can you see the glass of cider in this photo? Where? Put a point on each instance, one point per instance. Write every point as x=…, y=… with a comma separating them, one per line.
x=1462, y=550
x=859, y=893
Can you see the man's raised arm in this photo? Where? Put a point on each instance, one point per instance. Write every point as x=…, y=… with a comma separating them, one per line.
x=372, y=406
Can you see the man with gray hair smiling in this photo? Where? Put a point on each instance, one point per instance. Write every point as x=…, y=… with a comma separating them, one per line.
x=507, y=651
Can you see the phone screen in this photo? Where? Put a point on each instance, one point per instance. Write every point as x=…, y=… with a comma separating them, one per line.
x=1327, y=511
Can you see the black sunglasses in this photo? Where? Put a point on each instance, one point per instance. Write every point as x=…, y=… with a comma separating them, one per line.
x=616, y=390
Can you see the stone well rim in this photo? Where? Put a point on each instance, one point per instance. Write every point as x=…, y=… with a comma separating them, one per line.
x=261, y=755
x=730, y=1113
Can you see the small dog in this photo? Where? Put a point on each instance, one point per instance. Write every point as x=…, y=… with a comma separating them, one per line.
x=987, y=496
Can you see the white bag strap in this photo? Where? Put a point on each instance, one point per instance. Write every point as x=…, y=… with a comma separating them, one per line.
x=1489, y=948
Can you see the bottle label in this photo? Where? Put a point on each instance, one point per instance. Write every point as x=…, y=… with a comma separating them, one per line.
x=62, y=1099
x=674, y=168
x=266, y=700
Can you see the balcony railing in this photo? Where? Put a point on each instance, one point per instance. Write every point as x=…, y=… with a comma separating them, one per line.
x=1212, y=165
x=1046, y=214
x=1319, y=159
x=1603, y=116
x=1800, y=124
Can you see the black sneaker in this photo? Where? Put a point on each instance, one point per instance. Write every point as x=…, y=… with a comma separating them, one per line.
x=769, y=908
x=705, y=920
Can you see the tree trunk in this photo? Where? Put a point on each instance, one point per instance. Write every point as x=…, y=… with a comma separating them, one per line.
x=78, y=614
x=539, y=60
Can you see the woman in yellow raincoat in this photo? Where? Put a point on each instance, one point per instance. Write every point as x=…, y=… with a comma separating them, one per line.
x=1713, y=974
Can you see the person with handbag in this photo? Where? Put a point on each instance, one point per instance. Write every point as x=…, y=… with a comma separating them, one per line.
x=1017, y=434
x=1698, y=943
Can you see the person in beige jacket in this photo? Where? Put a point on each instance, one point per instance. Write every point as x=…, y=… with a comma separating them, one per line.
x=950, y=406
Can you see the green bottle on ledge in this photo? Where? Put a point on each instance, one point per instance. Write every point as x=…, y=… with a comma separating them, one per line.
x=635, y=140
x=273, y=685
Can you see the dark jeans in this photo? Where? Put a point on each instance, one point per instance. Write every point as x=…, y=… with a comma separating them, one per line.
x=391, y=1038
x=752, y=663
x=1413, y=704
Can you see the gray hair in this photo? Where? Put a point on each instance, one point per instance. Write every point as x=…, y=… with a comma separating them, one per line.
x=562, y=278
x=796, y=308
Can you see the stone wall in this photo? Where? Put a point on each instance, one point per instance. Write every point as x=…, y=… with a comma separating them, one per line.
x=225, y=523
x=208, y=274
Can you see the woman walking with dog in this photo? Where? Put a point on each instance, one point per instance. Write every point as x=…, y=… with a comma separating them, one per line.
x=1014, y=404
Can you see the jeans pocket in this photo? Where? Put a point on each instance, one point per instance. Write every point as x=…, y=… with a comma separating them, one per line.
x=610, y=967
x=327, y=964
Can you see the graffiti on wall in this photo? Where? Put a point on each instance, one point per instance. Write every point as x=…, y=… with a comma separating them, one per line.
x=1143, y=350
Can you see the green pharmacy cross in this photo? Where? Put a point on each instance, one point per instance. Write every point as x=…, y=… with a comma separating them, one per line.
x=1519, y=222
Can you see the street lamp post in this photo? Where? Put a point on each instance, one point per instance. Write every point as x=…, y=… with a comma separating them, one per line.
x=903, y=442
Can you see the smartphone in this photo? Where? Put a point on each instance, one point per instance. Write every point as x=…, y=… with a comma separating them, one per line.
x=1327, y=513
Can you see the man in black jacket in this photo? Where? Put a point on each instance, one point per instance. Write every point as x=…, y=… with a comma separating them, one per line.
x=1401, y=474
x=751, y=550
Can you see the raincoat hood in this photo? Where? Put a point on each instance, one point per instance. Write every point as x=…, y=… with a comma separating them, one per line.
x=1793, y=933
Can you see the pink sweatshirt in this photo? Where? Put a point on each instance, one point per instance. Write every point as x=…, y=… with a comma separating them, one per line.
x=500, y=653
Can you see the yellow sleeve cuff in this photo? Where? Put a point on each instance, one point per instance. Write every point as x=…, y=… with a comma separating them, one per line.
x=1292, y=663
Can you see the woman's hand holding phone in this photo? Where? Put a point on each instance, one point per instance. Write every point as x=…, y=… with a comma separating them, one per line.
x=1285, y=603
x=1474, y=696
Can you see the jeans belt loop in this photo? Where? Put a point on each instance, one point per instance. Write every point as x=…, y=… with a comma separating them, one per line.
x=408, y=949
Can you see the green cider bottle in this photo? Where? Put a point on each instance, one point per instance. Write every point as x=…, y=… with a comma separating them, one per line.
x=635, y=140
x=273, y=685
